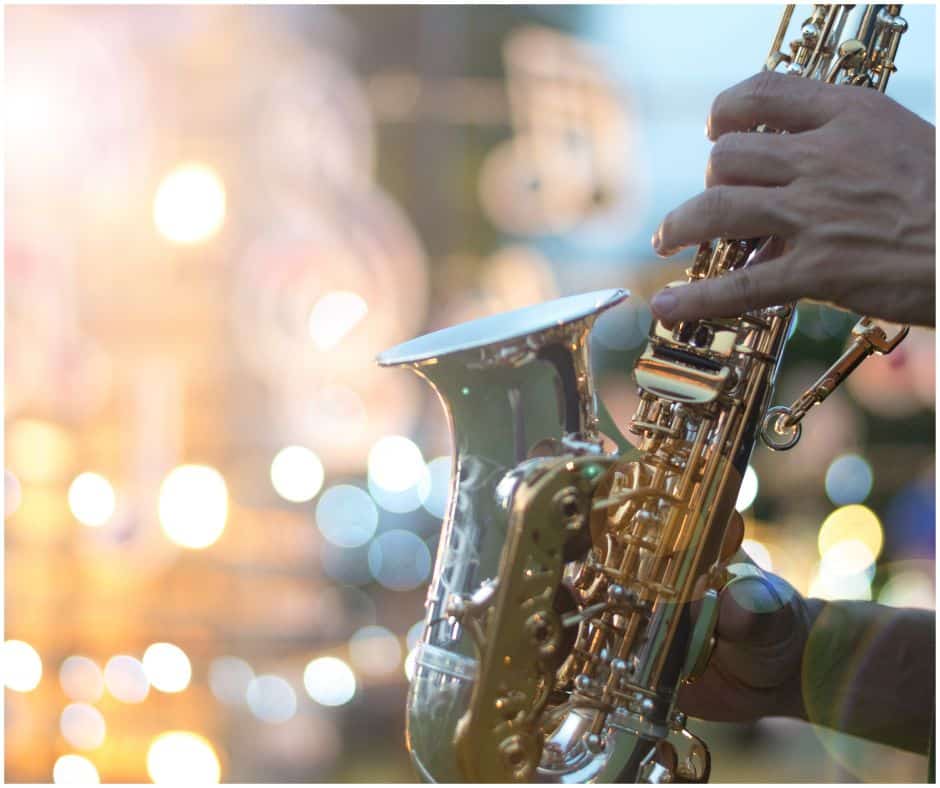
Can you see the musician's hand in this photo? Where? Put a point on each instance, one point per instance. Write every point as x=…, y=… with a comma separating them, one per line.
x=762, y=628
x=849, y=193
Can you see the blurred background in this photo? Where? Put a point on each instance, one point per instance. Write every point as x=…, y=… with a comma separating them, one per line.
x=221, y=515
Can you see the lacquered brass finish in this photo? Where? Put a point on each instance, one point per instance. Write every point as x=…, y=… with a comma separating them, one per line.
x=559, y=624
x=519, y=396
x=781, y=427
x=500, y=738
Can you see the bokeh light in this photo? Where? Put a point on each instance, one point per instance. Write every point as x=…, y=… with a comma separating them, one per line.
x=229, y=678
x=22, y=667
x=829, y=583
x=759, y=553
x=346, y=516
x=82, y=726
x=271, y=698
x=853, y=523
x=182, y=758
x=74, y=769
x=334, y=315
x=81, y=678
x=434, y=487
x=908, y=588
x=849, y=542
x=401, y=501
x=38, y=451
x=91, y=499
x=330, y=681
x=395, y=463
x=399, y=560
x=847, y=557
x=297, y=474
x=748, y=491
x=415, y=631
x=126, y=679
x=848, y=479
x=193, y=506
x=375, y=651
x=167, y=667
x=189, y=205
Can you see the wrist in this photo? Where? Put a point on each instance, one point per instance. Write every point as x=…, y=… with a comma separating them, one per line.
x=868, y=670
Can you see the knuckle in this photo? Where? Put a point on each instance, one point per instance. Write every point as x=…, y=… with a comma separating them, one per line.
x=784, y=210
x=846, y=100
x=761, y=85
x=715, y=205
x=724, y=152
x=863, y=100
x=743, y=287
x=805, y=156
x=797, y=157
x=744, y=98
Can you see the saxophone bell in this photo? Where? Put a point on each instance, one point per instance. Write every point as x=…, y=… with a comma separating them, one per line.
x=518, y=392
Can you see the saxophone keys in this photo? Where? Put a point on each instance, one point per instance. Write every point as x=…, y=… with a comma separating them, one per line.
x=594, y=743
x=520, y=755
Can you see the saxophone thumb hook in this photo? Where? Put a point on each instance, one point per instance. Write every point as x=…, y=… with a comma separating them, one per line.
x=702, y=643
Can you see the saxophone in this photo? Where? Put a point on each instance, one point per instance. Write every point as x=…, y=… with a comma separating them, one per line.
x=559, y=624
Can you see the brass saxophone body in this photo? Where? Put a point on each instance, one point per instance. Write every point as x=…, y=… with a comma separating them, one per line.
x=559, y=624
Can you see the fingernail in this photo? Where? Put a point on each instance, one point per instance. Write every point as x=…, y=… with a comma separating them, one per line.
x=656, y=240
x=664, y=302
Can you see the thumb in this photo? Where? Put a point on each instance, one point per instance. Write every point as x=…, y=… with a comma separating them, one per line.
x=730, y=294
x=755, y=611
x=758, y=638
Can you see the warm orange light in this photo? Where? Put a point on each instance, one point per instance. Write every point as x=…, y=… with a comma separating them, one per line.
x=91, y=499
x=193, y=506
x=22, y=667
x=190, y=204
x=183, y=758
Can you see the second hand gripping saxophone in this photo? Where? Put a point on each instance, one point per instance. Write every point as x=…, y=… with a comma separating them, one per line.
x=559, y=616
